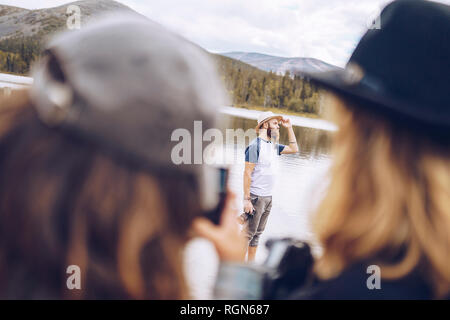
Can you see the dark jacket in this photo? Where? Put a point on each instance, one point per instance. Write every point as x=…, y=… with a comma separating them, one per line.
x=352, y=284
x=244, y=281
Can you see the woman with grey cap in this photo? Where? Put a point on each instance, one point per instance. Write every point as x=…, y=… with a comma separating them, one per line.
x=87, y=180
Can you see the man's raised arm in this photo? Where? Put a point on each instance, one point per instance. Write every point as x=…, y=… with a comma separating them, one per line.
x=292, y=147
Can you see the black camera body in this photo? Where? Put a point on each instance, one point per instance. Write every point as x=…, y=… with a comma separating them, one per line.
x=214, y=215
x=288, y=266
x=286, y=269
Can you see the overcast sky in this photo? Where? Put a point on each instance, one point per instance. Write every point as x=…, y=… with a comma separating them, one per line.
x=323, y=29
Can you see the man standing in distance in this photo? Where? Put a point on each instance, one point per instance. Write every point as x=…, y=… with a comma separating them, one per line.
x=259, y=175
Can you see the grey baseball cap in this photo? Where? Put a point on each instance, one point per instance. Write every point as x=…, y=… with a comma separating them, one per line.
x=127, y=83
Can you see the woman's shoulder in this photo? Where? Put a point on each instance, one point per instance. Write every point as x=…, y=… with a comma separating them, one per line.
x=361, y=281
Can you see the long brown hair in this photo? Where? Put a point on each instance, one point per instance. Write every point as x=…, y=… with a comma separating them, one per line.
x=65, y=201
x=388, y=200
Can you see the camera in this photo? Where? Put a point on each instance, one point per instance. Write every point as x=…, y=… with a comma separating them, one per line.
x=286, y=269
x=222, y=179
x=288, y=266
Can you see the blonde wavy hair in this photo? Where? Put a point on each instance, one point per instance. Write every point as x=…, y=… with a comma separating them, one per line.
x=388, y=200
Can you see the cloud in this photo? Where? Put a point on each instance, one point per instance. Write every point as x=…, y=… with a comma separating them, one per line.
x=325, y=29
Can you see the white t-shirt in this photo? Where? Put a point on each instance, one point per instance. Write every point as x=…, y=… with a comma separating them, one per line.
x=264, y=154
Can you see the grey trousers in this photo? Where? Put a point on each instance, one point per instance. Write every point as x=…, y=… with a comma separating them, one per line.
x=256, y=222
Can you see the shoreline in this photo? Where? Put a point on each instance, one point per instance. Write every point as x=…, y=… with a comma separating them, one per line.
x=300, y=121
x=279, y=111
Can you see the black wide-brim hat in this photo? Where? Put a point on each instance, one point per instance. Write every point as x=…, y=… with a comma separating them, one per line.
x=401, y=67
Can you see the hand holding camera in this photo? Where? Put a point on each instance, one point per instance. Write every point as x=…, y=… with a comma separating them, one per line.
x=248, y=206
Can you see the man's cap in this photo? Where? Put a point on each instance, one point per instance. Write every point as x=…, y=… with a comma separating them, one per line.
x=401, y=69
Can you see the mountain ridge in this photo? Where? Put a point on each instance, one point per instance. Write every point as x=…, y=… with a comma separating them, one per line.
x=279, y=64
x=18, y=22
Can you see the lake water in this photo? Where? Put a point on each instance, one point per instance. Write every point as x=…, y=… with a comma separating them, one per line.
x=301, y=181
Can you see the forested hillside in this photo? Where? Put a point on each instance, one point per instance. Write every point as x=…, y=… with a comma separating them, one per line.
x=250, y=86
